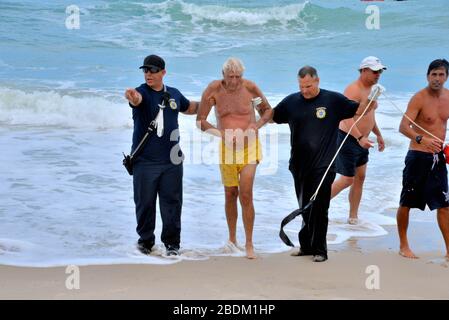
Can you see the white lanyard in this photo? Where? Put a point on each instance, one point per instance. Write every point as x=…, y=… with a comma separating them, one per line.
x=160, y=117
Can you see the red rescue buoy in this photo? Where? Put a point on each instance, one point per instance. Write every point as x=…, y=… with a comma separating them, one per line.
x=446, y=153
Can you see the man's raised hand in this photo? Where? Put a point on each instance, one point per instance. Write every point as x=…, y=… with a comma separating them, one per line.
x=376, y=90
x=133, y=96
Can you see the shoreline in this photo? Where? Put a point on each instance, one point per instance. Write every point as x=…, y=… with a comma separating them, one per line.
x=279, y=276
x=345, y=275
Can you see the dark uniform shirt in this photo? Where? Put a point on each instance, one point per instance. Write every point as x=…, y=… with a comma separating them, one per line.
x=313, y=126
x=157, y=149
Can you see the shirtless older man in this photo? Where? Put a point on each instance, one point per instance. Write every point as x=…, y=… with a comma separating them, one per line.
x=425, y=174
x=234, y=99
x=353, y=158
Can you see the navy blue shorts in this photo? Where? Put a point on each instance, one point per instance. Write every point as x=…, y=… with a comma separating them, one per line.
x=351, y=155
x=424, y=181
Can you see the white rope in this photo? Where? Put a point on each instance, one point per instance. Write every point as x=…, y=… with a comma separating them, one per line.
x=341, y=145
x=354, y=124
x=408, y=118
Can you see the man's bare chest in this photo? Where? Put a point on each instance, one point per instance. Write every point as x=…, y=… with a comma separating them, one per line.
x=238, y=103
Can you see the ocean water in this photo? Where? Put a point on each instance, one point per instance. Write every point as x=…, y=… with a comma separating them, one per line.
x=65, y=197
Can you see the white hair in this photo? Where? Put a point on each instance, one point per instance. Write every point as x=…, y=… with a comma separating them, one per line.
x=233, y=65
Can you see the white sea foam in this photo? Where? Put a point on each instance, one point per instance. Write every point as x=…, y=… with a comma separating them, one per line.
x=76, y=206
x=230, y=15
x=51, y=108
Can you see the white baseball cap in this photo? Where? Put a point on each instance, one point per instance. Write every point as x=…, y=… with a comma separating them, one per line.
x=373, y=63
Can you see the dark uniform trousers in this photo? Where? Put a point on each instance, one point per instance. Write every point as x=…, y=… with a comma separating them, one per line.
x=312, y=236
x=163, y=180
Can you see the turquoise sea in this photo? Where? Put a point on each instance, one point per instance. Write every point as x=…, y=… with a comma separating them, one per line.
x=64, y=196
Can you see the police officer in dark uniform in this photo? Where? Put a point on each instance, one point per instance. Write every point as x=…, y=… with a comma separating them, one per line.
x=313, y=115
x=157, y=169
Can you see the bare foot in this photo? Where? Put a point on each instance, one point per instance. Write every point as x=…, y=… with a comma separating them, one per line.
x=250, y=252
x=407, y=253
x=231, y=247
x=235, y=245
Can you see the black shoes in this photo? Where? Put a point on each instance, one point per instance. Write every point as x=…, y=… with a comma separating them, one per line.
x=319, y=258
x=144, y=246
x=300, y=253
x=316, y=257
x=172, y=251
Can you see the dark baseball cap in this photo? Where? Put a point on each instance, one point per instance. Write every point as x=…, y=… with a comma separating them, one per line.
x=153, y=61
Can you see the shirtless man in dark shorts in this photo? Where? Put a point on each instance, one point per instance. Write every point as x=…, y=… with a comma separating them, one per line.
x=352, y=160
x=425, y=174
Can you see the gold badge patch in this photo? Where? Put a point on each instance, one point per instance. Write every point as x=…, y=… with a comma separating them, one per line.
x=173, y=104
x=321, y=112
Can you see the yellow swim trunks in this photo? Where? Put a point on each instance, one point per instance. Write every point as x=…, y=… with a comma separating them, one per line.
x=232, y=161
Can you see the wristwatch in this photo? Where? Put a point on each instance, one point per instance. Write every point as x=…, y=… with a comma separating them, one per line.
x=418, y=139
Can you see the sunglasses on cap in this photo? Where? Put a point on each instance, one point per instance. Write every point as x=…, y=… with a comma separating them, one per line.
x=151, y=69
